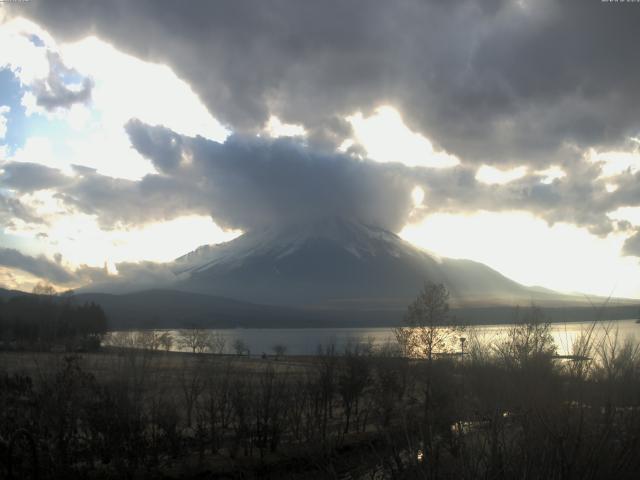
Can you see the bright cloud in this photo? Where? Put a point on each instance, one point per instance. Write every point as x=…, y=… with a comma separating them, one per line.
x=26, y=60
x=4, y=109
x=494, y=176
x=629, y=214
x=15, y=279
x=80, y=241
x=114, y=158
x=150, y=92
x=275, y=128
x=40, y=150
x=614, y=163
x=77, y=116
x=550, y=174
x=417, y=195
x=528, y=250
x=386, y=138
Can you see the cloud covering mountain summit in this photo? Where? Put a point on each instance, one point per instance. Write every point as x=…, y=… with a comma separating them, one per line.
x=248, y=182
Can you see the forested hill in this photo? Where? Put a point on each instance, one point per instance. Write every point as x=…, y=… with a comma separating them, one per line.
x=28, y=320
x=176, y=309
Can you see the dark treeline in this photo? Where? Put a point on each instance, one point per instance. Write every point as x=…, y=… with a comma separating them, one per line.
x=47, y=321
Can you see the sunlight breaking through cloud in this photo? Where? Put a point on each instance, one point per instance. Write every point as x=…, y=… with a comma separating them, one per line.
x=495, y=176
x=386, y=138
x=581, y=262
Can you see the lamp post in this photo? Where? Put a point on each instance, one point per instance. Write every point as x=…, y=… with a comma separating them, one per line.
x=462, y=340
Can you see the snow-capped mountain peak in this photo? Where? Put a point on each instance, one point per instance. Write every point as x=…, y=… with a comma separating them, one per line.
x=331, y=260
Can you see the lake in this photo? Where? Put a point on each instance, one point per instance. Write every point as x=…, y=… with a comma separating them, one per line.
x=305, y=341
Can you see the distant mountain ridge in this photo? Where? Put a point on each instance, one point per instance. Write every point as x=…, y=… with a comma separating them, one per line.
x=176, y=309
x=332, y=272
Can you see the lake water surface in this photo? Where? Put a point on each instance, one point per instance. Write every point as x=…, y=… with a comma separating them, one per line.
x=305, y=341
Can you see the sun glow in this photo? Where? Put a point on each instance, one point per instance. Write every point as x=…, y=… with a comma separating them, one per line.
x=566, y=258
x=629, y=214
x=614, y=163
x=179, y=236
x=81, y=241
x=27, y=61
x=275, y=128
x=494, y=176
x=92, y=134
x=551, y=174
x=150, y=92
x=417, y=195
x=386, y=138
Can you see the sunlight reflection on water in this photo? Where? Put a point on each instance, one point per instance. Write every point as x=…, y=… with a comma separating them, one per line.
x=305, y=341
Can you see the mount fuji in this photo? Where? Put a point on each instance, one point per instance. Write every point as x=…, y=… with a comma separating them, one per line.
x=332, y=272
x=339, y=263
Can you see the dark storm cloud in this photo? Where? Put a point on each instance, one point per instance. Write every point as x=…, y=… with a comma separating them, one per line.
x=39, y=266
x=632, y=245
x=249, y=182
x=581, y=199
x=56, y=91
x=120, y=202
x=162, y=145
x=23, y=176
x=140, y=274
x=246, y=182
x=531, y=83
x=11, y=208
x=137, y=275
x=500, y=81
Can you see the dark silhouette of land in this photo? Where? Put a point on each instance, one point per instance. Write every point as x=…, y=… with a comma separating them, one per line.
x=177, y=309
x=441, y=403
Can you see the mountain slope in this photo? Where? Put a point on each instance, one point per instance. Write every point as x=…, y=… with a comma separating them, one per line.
x=339, y=263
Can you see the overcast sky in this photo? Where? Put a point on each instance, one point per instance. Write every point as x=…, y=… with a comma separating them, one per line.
x=508, y=132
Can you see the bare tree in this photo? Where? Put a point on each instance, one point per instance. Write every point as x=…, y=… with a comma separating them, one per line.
x=42, y=288
x=280, y=350
x=192, y=384
x=240, y=347
x=215, y=342
x=352, y=381
x=149, y=339
x=166, y=341
x=194, y=339
x=216, y=406
x=326, y=385
x=429, y=329
x=529, y=340
x=269, y=407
